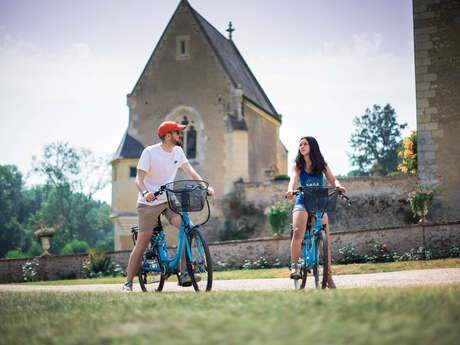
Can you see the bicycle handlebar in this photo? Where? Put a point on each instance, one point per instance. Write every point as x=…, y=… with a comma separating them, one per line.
x=336, y=190
x=163, y=189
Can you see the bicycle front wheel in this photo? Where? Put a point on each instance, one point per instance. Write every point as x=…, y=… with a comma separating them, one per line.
x=199, y=265
x=321, y=264
x=150, y=280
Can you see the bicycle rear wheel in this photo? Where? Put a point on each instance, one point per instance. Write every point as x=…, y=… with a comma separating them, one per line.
x=321, y=264
x=199, y=265
x=150, y=280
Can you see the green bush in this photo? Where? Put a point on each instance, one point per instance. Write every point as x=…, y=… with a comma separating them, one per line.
x=282, y=178
x=75, y=246
x=15, y=254
x=107, y=244
x=99, y=265
x=278, y=214
x=350, y=255
x=262, y=262
x=35, y=249
x=240, y=229
x=380, y=253
x=31, y=271
x=454, y=250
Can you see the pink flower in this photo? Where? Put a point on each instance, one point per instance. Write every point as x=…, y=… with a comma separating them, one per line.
x=384, y=247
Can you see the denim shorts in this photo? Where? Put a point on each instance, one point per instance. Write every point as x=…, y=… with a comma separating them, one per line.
x=301, y=207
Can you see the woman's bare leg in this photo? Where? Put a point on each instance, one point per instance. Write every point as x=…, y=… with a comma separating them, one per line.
x=299, y=221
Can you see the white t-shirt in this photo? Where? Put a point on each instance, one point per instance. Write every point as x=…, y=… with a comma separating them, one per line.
x=161, y=168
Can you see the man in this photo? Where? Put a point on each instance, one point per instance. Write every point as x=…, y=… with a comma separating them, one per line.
x=157, y=166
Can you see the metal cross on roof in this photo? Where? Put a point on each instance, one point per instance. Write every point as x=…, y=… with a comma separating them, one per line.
x=230, y=30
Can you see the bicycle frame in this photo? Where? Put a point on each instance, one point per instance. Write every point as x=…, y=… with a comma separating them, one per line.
x=169, y=264
x=309, y=240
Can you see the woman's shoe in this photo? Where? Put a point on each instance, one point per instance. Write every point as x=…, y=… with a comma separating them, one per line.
x=295, y=274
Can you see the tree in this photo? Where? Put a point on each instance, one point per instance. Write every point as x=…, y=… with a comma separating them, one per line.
x=74, y=175
x=376, y=139
x=11, y=185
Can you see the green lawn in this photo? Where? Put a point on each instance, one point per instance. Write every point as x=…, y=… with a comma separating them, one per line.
x=283, y=272
x=422, y=315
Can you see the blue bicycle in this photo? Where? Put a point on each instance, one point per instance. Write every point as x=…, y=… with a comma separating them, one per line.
x=318, y=200
x=183, y=196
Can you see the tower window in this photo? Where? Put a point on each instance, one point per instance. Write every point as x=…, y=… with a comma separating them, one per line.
x=132, y=171
x=182, y=47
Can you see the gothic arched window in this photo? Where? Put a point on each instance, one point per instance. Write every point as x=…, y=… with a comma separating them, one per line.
x=189, y=143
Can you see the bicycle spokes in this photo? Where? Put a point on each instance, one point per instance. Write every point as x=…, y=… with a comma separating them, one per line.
x=199, y=262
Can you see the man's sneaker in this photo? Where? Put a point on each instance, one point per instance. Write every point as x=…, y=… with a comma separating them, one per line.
x=127, y=287
x=185, y=279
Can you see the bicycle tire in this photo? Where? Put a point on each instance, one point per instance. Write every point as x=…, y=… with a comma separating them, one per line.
x=321, y=266
x=150, y=280
x=200, y=264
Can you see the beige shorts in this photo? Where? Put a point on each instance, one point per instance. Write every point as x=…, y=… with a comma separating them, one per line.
x=148, y=215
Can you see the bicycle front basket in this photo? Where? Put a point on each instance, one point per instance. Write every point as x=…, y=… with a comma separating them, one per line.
x=187, y=195
x=319, y=199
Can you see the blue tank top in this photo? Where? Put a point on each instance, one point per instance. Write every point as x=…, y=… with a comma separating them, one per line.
x=306, y=180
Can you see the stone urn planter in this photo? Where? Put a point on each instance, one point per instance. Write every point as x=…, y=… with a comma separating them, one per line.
x=45, y=242
x=44, y=234
x=277, y=236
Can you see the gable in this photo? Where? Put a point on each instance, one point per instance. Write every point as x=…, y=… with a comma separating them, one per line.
x=229, y=58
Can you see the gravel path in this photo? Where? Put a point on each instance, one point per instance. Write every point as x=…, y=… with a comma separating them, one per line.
x=389, y=279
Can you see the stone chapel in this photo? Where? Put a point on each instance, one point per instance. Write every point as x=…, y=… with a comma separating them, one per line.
x=196, y=76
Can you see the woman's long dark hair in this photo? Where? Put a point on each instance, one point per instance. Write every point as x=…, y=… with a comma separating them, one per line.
x=317, y=160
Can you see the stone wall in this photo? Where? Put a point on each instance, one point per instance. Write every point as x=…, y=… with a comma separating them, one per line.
x=378, y=202
x=437, y=71
x=436, y=237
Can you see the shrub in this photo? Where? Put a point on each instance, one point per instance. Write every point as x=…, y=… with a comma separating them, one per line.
x=282, y=178
x=350, y=255
x=278, y=214
x=107, y=244
x=262, y=262
x=15, y=254
x=454, y=250
x=31, y=271
x=75, y=246
x=99, y=265
x=380, y=253
x=415, y=254
x=223, y=266
x=35, y=249
x=240, y=229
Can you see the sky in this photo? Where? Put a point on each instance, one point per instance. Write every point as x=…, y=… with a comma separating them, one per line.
x=67, y=66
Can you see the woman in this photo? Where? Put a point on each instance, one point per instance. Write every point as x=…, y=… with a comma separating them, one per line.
x=309, y=169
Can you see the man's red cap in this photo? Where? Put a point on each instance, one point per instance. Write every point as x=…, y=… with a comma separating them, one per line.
x=169, y=126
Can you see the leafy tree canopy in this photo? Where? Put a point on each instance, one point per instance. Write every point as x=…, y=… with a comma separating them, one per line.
x=376, y=139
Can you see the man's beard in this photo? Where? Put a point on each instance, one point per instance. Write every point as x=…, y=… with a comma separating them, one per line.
x=178, y=142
